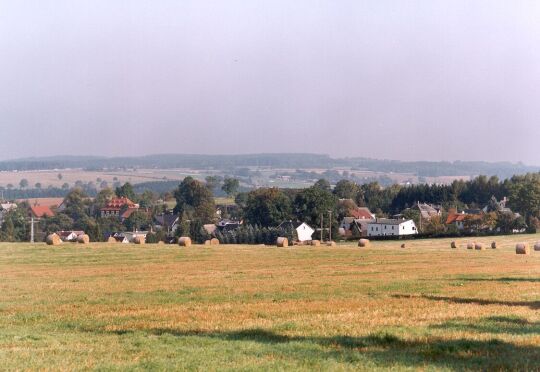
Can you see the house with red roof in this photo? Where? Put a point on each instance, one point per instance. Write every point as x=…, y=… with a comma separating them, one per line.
x=39, y=211
x=121, y=208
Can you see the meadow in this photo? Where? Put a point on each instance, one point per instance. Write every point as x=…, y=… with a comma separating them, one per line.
x=161, y=307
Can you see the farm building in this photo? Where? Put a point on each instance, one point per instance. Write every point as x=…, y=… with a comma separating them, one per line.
x=390, y=227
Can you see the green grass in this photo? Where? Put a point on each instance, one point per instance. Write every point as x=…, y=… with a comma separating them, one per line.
x=118, y=307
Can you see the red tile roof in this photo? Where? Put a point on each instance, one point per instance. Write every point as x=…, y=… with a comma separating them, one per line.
x=119, y=203
x=41, y=211
x=361, y=213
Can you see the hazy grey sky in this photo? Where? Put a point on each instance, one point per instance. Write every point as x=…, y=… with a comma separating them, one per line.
x=406, y=80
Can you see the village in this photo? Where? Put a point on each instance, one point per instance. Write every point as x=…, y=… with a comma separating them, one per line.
x=320, y=214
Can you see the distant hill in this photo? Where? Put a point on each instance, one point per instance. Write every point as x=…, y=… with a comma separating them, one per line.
x=287, y=161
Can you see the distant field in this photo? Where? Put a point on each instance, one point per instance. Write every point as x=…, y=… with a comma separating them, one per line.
x=154, y=307
x=50, y=178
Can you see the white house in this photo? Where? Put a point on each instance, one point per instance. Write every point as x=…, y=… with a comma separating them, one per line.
x=130, y=236
x=304, y=232
x=388, y=227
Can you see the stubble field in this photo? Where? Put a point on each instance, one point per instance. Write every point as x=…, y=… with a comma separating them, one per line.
x=110, y=307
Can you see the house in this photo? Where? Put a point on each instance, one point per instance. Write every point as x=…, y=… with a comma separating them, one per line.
x=130, y=236
x=391, y=227
x=428, y=211
x=120, y=238
x=458, y=219
x=304, y=232
x=121, y=208
x=49, y=202
x=39, y=211
x=167, y=222
x=69, y=236
x=362, y=213
x=356, y=222
x=5, y=208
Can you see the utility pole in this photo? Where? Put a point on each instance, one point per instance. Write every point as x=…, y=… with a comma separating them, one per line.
x=330, y=226
x=32, y=229
x=322, y=215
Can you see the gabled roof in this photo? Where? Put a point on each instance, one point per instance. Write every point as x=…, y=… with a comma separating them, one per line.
x=455, y=217
x=167, y=219
x=128, y=212
x=361, y=213
x=41, y=211
x=117, y=203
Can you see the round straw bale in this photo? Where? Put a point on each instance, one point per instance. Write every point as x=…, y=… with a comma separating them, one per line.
x=53, y=239
x=479, y=246
x=139, y=240
x=470, y=245
x=331, y=244
x=184, y=241
x=83, y=239
x=522, y=248
x=282, y=242
x=111, y=240
x=161, y=242
x=207, y=242
x=493, y=245
x=316, y=243
x=453, y=245
x=363, y=242
x=214, y=241
x=537, y=246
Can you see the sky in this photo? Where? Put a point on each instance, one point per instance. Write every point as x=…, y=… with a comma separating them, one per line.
x=406, y=80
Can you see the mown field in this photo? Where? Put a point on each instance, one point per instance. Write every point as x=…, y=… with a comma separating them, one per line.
x=115, y=307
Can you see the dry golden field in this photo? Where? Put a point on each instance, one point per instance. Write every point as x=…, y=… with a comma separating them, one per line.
x=157, y=307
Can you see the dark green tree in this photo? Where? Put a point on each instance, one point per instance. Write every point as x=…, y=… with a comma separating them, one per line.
x=126, y=190
x=194, y=201
x=267, y=207
x=230, y=186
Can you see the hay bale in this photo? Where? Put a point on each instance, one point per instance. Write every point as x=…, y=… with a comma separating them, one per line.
x=479, y=246
x=207, y=242
x=53, y=239
x=470, y=245
x=214, y=241
x=282, y=242
x=331, y=244
x=139, y=240
x=493, y=245
x=184, y=241
x=537, y=246
x=83, y=239
x=522, y=248
x=315, y=243
x=453, y=245
x=161, y=242
x=363, y=242
x=111, y=240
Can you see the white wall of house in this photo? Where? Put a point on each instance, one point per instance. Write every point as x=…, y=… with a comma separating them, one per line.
x=304, y=232
x=379, y=228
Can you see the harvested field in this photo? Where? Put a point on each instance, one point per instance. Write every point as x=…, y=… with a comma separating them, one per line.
x=105, y=306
